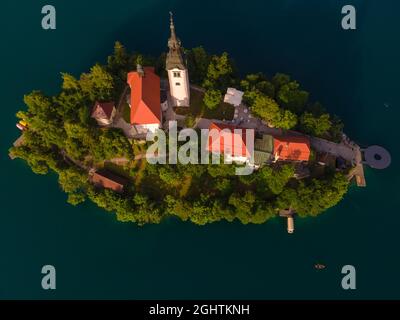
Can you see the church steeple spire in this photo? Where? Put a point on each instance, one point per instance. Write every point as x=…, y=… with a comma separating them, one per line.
x=174, y=57
x=173, y=40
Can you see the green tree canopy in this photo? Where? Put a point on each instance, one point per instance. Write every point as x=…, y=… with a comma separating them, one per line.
x=315, y=197
x=291, y=97
x=257, y=83
x=316, y=126
x=275, y=179
x=212, y=98
x=98, y=84
x=198, y=62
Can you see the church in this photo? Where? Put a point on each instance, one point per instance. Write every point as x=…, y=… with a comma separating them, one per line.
x=145, y=102
x=177, y=71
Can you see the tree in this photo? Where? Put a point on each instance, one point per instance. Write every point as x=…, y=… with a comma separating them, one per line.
x=72, y=179
x=291, y=97
x=119, y=60
x=220, y=66
x=43, y=118
x=169, y=176
x=314, y=197
x=336, y=130
x=190, y=121
x=203, y=210
x=264, y=211
x=243, y=205
x=212, y=98
x=112, y=143
x=219, y=73
x=257, y=82
x=178, y=207
x=267, y=88
x=279, y=80
x=221, y=170
x=139, y=60
x=275, y=179
x=266, y=108
x=198, y=61
x=287, y=199
x=316, y=126
x=70, y=83
x=160, y=66
x=320, y=195
x=36, y=160
x=98, y=84
x=144, y=211
x=76, y=198
x=224, y=186
x=286, y=120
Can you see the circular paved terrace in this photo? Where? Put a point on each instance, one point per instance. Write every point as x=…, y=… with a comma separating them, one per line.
x=377, y=157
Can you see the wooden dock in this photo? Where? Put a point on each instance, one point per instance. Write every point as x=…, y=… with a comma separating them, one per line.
x=358, y=174
x=358, y=171
x=17, y=143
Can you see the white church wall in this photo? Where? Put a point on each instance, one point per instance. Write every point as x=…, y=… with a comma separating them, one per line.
x=144, y=128
x=179, y=87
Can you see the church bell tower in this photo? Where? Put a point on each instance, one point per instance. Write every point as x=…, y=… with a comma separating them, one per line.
x=177, y=70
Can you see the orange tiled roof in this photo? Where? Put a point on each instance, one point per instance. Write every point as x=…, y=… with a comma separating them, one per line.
x=236, y=145
x=145, y=97
x=292, y=148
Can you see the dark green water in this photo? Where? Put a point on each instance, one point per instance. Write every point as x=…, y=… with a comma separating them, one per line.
x=352, y=72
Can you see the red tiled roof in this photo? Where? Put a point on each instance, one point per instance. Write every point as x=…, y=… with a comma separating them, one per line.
x=103, y=110
x=145, y=97
x=109, y=180
x=292, y=148
x=236, y=145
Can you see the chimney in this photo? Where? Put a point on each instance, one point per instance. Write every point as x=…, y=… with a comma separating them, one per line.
x=140, y=70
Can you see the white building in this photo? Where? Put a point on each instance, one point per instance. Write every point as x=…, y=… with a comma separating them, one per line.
x=177, y=71
x=104, y=113
x=234, y=97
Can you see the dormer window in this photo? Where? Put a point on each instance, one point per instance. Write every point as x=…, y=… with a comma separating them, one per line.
x=177, y=74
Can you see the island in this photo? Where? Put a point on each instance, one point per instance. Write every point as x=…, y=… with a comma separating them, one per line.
x=94, y=135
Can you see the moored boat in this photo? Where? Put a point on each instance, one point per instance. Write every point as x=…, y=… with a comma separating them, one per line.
x=319, y=266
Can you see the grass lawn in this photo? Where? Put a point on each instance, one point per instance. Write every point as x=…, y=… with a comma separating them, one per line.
x=197, y=108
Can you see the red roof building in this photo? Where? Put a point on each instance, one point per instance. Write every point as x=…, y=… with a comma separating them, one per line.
x=108, y=180
x=103, y=112
x=292, y=148
x=230, y=139
x=145, y=98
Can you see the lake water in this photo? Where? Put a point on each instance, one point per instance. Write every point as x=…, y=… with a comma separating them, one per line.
x=353, y=73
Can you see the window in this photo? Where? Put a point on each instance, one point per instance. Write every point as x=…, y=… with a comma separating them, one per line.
x=177, y=74
x=178, y=84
